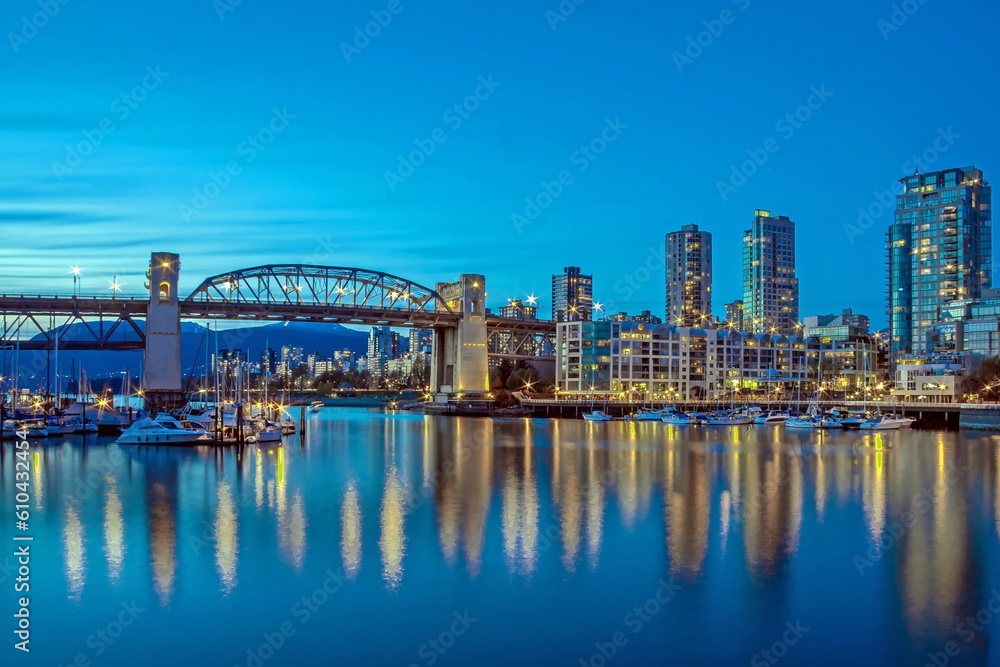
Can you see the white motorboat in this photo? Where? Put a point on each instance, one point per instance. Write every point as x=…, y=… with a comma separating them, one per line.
x=771, y=418
x=34, y=428
x=730, y=419
x=802, y=422
x=315, y=406
x=267, y=432
x=597, y=416
x=152, y=432
x=887, y=423
x=76, y=424
x=682, y=419
x=645, y=415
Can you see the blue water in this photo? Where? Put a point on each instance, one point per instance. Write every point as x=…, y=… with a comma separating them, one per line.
x=399, y=539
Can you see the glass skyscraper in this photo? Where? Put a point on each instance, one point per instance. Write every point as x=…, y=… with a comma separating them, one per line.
x=572, y=296
x=689, y=277
x=939, y=250
x=770, y=288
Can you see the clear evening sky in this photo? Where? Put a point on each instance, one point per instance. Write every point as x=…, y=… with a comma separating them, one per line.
x=116, y=115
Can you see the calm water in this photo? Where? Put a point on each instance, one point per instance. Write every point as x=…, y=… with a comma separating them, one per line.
x=411, y=540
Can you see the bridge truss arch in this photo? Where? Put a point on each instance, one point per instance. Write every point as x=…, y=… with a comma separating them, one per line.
x=323, y=286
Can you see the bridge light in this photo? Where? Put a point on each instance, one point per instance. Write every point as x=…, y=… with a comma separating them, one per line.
x=75, y=270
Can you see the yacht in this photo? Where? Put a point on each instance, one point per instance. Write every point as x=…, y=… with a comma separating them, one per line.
x=34, y=428
x=682, y=419
x=734, y=418
x=772, y=417
x=153, y=432
x=645, y=415
x=804, y=421
x=886, y=423
x=597, y=416
x=266, y=432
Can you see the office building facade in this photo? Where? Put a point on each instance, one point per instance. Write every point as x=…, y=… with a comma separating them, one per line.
x=689, y=277
x=939, y=251
x=572, y=296
x=770, y=287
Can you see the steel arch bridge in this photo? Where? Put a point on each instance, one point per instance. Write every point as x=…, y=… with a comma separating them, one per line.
x=301, y=284
x=466, y=336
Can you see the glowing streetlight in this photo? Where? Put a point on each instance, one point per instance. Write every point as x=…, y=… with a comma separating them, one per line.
x=115, y=287
x=77, y=277
x=532, y=300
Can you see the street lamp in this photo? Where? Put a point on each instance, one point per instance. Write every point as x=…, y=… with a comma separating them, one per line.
x=115, y=287
x=77, y=278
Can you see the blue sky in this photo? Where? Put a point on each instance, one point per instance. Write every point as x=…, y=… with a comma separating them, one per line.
x=199, y=79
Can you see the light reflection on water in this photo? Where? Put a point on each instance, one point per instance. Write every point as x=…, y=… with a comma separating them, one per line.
x=428, y=514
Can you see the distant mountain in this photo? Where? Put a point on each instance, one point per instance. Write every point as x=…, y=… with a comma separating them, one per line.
x=196, y=341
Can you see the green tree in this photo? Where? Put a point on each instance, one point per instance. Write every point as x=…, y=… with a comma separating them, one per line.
x=299, y=373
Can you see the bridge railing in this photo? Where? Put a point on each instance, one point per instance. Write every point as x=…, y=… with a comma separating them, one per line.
x=77, y=297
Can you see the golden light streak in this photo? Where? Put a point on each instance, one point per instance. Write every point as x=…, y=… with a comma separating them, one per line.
x=393, y=539
x=227, y=547
x=350, y=531
x=163, y=535
x=114, y=530
x=595, y=509
x=74, y=550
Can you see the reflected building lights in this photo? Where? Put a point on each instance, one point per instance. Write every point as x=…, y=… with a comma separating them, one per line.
x=393, y=540
x=595, y=509
x=566, y=478
x=821, y=482
x=74, y=549
x=227, y=546
x=163, y=535
x=725, y=509
x=688, y=509
x=258, y=478
x=874, y=494
x=350, y=531
x=996, y=490
x=37, y=491
x=114, y=529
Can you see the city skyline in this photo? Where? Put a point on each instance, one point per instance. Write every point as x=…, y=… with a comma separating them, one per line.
x=319, y=193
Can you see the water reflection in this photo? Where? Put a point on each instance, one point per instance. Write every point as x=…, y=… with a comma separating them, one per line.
x=573, y=498
x=350, y=531
x=73, y=549
x=519, y=509
x=163, y=537
x=114, y=529
x=227, y=545
x=393, y=540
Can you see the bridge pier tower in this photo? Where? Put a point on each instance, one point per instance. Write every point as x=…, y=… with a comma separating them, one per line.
x=459, y=360
x=161, y=380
